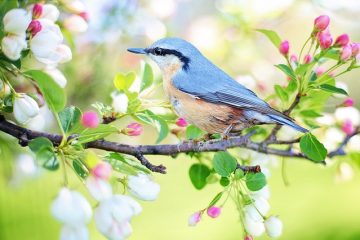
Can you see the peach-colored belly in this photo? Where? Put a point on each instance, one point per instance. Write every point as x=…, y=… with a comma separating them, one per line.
x=210, y=117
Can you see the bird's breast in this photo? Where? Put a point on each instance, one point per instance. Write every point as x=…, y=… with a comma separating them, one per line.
x=210, y=117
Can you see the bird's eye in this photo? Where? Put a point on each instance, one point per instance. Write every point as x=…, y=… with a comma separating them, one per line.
x=158, y=51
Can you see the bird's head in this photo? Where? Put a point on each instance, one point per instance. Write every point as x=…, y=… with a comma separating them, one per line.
x=170, y=53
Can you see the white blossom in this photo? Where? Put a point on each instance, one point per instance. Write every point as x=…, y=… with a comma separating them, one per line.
x=348, y=113
x=78, y=232
x=262, y=205
x=16, y=21
x=98, y=188
x=120, y=102
x=251, y=212
x=264, y=192
x=76, y=6
x=45, y=44
x=12, y=45
x=25, y=108
x=273, y=226
x=75, y=24
x=57, y=75
x=71, y=208
x=142, y=187
x=254, y=228
x=50, y=12
x=112, y=216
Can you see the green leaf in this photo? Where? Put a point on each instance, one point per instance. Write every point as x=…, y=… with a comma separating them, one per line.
x=160, y=124
x=292, y=86
x=216, y=199
x=332, y=54
x=332, y=89
x=224, y=164
x=44, y=152
x=193, y=132
x=312, y=148
x=281, y=93
x=80, y=168
x=54, y=95
x=255, y=181
x=129, y=165
x=92, y=134
x=239, y=174
x=224, y=181
x=287, y=70
x=273, y=36
x=310, y=113
x=147, y=77
x=37, y=144
x=69, y=117
x=198, y=174
x=124, y=81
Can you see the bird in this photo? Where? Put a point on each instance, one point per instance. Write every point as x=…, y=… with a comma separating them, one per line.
x=205, y=95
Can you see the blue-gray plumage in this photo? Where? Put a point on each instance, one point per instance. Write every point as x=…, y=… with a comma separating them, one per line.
x=197, y=87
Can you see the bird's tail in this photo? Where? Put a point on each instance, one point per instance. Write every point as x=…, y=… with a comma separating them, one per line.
x=286, y=121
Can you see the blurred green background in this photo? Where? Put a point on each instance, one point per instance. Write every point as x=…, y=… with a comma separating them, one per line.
x=318, y=204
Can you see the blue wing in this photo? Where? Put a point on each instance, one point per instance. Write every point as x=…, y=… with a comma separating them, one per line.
x=214, y=85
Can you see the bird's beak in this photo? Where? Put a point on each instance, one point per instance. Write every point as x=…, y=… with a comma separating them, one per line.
x=137, y=50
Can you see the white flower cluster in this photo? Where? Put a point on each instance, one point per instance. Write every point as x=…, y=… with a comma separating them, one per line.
x=254, y=213
x=74, y=211
x=34, y=29
x=114, y=212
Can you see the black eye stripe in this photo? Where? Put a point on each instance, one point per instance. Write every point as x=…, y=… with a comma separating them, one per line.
x=163, y=51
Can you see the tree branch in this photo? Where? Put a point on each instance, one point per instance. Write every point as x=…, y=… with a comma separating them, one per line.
x=25, y=135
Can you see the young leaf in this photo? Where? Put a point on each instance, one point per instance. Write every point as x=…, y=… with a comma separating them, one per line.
x=198, y=174
x=44, y=152
x=54, y=95
x=281, y=93
x=255, y=181
x=312, y=148
x=193, y=132
x=69, y=117
x=224, y=181
x=160, y=124
x=285, y=69
x=332, y=89
x=224, y=164
x=273, y=36
x=147, y=77
x=216, y=199
x=92, y=134
x=123, y=82
x=310, y=113
x=80, y=168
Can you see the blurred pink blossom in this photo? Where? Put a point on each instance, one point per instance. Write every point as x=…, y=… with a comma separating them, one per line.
x=102, y=170
x=345, y=53
x=134, y=129
x=181, y=122
x=307, y=59
x=34, y=27
x=213, y=211
x=37, y=10
x=348, y=127
x=194, y=219
x=325, y=40
x=284, y=47
x=342, y=40
x=321, y=22
x=349, y=102
x=90, y=119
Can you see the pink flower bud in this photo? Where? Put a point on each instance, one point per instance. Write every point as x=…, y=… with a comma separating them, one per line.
x=37, y=10
x=181, y=122
x=90, y=119
x=348, y=127
x=307, y=59
x=342, y=40
x=355, y=48
x=349, y=102
x=213, y=211
x=84, y=15
x=345, y=53
x=134, y=129
x=293, y=58
x=319, y=71
x=325, y=40
x=284, y=48
x=248, y=237
x=34, y=27
x=194, y=219
x=102, y=170
x=321, y=22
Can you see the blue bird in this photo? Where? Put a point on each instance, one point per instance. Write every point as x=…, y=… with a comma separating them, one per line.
x=204, y=94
